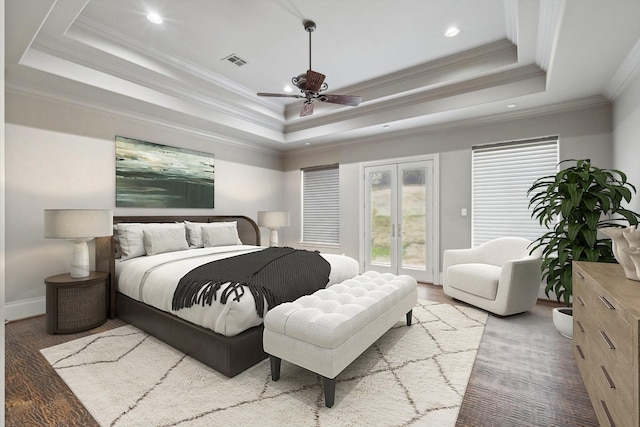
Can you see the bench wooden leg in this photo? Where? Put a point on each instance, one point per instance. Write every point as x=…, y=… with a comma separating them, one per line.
x=275, y=367
x=329, y=391
x=409, y=317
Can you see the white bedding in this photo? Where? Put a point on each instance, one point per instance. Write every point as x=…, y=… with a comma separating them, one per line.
x=153, y=279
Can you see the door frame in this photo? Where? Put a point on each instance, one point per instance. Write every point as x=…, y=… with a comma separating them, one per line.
x=434, y=258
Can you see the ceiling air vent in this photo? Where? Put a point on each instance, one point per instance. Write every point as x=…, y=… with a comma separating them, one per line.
x=235, y=59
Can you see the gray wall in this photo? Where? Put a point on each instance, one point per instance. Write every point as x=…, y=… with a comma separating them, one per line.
x=584, y=133
x=626, y=146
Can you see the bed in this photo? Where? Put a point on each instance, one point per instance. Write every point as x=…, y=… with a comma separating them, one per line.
x=224, y=345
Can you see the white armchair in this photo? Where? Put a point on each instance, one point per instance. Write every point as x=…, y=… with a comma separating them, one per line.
x=499, y=276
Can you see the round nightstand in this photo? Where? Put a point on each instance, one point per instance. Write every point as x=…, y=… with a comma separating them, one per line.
x=75, y=305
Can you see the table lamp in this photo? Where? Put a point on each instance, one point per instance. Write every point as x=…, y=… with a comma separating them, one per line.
x=273, y=220
x=79, y=226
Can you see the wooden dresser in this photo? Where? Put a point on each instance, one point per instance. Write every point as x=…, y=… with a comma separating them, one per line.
x=606, y=315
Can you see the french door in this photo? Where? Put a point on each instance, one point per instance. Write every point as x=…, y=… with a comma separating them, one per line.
x=400, y=218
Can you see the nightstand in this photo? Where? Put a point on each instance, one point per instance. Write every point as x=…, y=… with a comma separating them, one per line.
x=75, y=305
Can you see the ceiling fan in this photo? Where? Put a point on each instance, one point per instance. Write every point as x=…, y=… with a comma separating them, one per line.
x=312, y=83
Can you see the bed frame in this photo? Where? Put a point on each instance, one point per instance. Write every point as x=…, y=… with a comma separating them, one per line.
x=228, y=355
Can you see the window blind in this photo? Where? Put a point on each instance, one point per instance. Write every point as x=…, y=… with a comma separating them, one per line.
x=501, y=175
x=321, y=205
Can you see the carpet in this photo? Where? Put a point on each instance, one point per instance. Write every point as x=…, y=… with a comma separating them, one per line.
x=411, y=376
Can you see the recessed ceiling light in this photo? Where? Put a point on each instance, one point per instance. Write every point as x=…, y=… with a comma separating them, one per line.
x=155, y=18
x=452, y=32
x=288, y=89
x=511, y=106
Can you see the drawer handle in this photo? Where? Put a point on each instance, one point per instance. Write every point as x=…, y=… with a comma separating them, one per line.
x=607, y=303
x=607, y=340
x=606, y=411
x=581, y=301
x=580, y=351
x=579, y=325
x=606, y=375
x=579, y=275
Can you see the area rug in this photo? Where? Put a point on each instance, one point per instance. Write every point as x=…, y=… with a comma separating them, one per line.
x=411, y=376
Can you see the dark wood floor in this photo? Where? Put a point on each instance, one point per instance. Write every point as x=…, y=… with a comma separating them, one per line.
x=524, y=375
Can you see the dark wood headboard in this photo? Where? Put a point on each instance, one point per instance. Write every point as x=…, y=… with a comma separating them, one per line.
x=248, y=232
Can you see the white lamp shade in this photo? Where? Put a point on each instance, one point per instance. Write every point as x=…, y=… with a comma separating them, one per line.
x=273, y=219
x=75, y=224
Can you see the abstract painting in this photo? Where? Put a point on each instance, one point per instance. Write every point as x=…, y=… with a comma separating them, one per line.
x=152, y=175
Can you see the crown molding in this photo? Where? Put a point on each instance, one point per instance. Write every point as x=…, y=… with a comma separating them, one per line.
x=472, y=85
x=548, y=27
x=560, y=107
x=511, y=20
x=628, y=70
x=96, y=27
x=491, y=53
x=186, y=91
x=208, y=106
x=482, y=59
x=135, y=115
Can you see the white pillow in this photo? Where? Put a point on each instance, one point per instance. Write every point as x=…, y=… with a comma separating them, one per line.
x=194, y=231
x=161, y=240
x=132, y=238
x=220, y=234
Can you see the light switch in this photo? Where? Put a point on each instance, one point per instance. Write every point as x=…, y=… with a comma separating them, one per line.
x=463, y=212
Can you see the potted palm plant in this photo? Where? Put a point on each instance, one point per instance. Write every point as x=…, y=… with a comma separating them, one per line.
x=573, y=204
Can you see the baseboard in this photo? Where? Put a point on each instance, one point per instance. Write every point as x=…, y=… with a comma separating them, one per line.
x=25, y=308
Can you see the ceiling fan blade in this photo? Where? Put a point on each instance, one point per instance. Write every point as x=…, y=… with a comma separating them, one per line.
x=307, y=109
x=352, y=100
x=314, y=81
x=280, y=95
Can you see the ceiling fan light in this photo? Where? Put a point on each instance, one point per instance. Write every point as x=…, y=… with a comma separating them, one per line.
x=311, y=84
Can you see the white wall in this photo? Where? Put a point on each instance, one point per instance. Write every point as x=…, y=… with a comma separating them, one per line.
x=626, y=147
x=584, y=133
x=60, y=156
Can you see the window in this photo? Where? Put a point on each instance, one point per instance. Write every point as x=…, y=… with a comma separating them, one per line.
x=501, y=175
x=321, y=205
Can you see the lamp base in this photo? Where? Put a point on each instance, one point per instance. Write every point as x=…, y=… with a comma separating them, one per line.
x=273, y=237
x=80, y=261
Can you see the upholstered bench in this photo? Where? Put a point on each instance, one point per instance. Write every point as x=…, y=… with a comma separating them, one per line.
x=325, y=331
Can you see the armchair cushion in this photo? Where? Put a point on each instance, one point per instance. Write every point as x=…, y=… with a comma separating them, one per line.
x=476, y=279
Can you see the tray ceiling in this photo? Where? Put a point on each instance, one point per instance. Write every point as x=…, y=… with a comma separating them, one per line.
x=526, y=54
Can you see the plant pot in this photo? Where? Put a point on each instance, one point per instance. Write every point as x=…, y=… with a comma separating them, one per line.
x=563, y=321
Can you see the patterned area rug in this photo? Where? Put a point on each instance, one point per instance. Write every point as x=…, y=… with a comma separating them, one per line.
x=411, y=376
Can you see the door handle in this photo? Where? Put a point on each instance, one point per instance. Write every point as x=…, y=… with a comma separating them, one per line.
x=393, y=230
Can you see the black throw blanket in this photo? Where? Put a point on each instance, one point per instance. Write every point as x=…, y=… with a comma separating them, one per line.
x=277, y=274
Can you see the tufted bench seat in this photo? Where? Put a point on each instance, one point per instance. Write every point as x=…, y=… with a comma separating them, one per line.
x=327, y=330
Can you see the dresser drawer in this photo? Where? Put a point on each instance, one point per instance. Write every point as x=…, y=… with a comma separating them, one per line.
x=609, y=365
x=615, y=332
x=608, y=404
